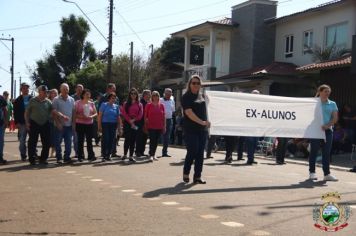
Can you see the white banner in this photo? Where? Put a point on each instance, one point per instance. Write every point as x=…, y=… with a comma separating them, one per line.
x=245, y=114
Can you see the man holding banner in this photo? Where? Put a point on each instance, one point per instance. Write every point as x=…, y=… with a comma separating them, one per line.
x=252, y=115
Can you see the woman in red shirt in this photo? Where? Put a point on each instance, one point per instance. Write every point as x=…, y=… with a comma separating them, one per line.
x=155, y=122
x=132, y=112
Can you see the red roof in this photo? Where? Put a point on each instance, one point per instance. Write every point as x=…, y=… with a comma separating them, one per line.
x=275, y=68
x=341, y=62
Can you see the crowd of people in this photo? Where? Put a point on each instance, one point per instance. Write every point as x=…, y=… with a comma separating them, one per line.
x=58, y=117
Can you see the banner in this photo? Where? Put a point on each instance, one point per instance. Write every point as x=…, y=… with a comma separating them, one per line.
x=256, y=115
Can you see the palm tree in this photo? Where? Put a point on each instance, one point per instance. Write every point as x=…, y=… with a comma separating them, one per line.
x=328, y=53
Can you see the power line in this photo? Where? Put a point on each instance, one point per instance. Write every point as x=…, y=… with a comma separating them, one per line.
x=179, y=12
x=5, y=70
x=132, y=29
x=41, y=24
x=5, y=46
x=168, y=26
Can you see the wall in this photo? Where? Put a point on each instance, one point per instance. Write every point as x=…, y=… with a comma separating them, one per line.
x=317, y=22
x=252, y=43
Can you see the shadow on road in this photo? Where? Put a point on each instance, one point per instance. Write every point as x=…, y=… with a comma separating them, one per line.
x=169, y=190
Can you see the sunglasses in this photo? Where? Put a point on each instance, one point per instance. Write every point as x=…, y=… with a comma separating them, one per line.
x=195, y=83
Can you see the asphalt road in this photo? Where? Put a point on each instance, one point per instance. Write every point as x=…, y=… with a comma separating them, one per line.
x=119, y=198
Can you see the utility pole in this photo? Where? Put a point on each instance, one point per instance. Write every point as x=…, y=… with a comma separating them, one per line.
x=131, y=64
x=15, y=88
x=151, y=82
x=12, y=68
x=12, y=64
x=110, y=39
x=20, y=85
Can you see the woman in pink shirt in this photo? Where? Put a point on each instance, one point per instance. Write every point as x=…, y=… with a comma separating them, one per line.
x=85, y=111
x=132, y=112
x=155, y=122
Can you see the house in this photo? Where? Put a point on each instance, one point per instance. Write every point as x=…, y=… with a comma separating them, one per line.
x=254, y=49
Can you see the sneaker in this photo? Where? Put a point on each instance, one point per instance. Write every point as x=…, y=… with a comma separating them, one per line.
x=155, y=158
x=123, y=157
x=131, y=158
x=228, y=160
x=330, y=178
x=312, y=176
x=151, y=158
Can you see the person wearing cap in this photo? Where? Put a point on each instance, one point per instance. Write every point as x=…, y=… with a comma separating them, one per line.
x=3, y=124
x=37, y=116
x=63, y=112
x=20, y=106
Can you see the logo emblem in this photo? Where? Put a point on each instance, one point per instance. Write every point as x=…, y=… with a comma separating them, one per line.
x=331, y=216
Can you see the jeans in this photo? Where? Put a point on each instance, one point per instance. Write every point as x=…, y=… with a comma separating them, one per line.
x=130, y=139
x=141, y=141
x=166, y=137
x=251, y=148
x=154, y=137
x=281, y=149
x=210, y=146
x=109, y=132
x=195, y=143
x=2, y=134
x=75, y=142
x=85, y=131
x=325, y=152
x=44, y=132
x=22, y=139
x=230, y=142
x=66, y=133
x=240, y=147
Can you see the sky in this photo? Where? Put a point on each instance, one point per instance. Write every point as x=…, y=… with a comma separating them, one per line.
x=34, y=24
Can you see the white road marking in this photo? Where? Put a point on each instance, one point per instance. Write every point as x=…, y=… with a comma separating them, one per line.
x=185, y=208
x=170, y=203
x=115, y=186
x=71, y=172
x=233, y=224
x=96, y=180
x=260, y=233
x=209, y=216
x=87, y=177
x=129, y=190
x=154, y=198
x=137, y=194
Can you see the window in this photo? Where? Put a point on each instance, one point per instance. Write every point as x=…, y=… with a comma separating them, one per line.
x=336, y=35
x=307, y=41
x=289, y=46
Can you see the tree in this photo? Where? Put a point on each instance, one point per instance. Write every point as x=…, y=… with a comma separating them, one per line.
x=328, y=53
x=69, y=55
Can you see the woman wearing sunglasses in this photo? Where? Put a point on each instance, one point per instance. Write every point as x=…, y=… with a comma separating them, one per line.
x=132, y=112
x=195, y=129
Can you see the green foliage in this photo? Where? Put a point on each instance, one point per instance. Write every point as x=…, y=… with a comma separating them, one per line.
x=92, y=76
x=69, y=55
x=328, y=53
